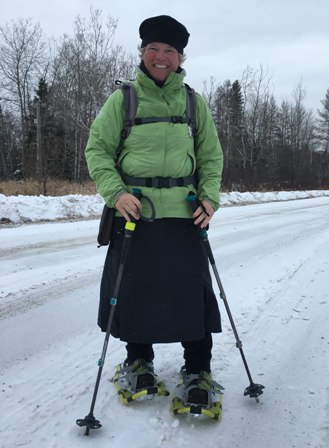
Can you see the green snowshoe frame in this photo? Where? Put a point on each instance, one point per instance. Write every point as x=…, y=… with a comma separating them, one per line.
x=135, y=381
x=203, y=382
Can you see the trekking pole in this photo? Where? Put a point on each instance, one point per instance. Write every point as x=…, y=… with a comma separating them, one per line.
x=90, y=421
x=253, y=390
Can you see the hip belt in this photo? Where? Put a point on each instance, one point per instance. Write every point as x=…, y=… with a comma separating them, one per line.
x=159, y=181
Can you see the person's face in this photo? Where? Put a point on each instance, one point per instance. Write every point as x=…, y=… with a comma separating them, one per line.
x=160, y=60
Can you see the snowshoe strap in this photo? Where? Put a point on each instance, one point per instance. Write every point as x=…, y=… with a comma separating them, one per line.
x=139, y=375
x=192, y=386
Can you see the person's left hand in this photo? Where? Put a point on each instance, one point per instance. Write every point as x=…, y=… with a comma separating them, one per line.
x=203, y=216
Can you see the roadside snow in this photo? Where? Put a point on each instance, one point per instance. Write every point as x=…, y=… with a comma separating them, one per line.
x=273, y=262
x=23, y=209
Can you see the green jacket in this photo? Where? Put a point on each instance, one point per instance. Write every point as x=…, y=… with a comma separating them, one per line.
x=156, y=149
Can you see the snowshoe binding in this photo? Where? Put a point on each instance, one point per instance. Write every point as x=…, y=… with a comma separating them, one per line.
x=198, y=394
x=137, y=380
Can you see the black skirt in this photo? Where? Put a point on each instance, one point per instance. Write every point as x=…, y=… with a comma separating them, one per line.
x=166, y=293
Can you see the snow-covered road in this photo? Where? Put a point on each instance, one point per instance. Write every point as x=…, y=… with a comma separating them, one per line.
x=273, y=260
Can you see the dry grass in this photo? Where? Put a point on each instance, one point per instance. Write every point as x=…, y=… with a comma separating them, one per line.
x=53, y=188
x=57, y=187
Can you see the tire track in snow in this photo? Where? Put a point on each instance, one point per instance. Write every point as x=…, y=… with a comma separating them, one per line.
x=39, y=294
x=44, y=265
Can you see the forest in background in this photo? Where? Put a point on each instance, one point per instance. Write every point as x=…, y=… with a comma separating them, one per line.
x=50, y=93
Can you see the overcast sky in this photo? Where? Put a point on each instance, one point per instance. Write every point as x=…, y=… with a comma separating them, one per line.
x=289, y=38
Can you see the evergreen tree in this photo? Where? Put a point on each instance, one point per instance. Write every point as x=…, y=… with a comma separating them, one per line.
x=323, y=124
x=322, y=130
x=9, y=141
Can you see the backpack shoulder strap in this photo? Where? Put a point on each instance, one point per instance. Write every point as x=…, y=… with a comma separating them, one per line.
x=130, y=108
x=191, y=109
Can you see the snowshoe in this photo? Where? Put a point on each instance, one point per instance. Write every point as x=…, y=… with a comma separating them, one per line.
x=198, y=394
x=137, y=380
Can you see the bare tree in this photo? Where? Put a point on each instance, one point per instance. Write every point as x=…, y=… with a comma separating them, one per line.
x=209, y=92
x=22, y=58
x=256, y=95
x=264, y=146
x=85, y=70
x=301, y=137
x=298, y=113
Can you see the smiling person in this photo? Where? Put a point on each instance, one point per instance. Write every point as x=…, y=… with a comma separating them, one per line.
x=166, y=293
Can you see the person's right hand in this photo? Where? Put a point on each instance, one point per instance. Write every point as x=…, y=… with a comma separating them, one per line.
x=129, y=206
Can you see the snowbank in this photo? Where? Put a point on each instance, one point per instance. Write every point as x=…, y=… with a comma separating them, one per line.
x=22, y=209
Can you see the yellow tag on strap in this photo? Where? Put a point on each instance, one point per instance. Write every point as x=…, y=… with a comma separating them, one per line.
x=130, y=226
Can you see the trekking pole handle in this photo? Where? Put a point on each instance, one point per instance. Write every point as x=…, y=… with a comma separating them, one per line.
x=137, y=192
x=195, y=203
x=130, y=225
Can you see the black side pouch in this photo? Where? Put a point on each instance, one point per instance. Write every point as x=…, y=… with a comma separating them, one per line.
x=105, y=226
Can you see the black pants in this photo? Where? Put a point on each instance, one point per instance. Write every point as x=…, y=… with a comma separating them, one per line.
x=197, y=354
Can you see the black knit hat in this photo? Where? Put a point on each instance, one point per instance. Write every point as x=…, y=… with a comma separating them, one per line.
x=164, y=29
